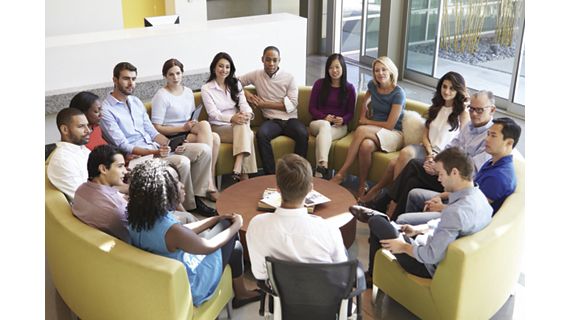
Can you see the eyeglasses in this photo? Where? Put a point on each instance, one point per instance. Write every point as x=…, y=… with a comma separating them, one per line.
x=477, y=110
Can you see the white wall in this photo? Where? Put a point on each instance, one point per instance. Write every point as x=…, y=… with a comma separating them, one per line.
x=83, y=61
x=80, y=16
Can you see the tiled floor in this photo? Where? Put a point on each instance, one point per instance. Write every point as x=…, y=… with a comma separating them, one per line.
x=384, y=307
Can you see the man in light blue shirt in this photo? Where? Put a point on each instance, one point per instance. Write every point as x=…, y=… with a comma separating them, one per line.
x=468, y=212
x=126, y=125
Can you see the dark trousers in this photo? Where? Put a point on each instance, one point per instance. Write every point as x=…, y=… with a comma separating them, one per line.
x=413, y=176
x=381, y=229
x=270, y=129
x=232, y=251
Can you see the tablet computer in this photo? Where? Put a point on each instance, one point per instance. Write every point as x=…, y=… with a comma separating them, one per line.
x=196, y=113
x=176, y=141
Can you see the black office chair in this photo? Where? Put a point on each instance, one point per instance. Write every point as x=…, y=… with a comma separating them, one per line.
x=313, y=290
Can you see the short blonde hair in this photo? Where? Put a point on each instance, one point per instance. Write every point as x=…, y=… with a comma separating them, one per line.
x=388, y=63
x=294, y=177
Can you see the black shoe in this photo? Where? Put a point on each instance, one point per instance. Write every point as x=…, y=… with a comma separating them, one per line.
x=322, y=172
x=203, y=209
x=361, y=213
x=368, y=277
x=238, y=303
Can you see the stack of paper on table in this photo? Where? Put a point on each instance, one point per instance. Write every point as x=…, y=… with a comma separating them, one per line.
x=272, y=199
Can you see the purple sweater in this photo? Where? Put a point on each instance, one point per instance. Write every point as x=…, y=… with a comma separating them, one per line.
x=333, y=104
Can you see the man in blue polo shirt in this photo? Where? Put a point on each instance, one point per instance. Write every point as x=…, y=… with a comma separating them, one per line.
x=496, y=178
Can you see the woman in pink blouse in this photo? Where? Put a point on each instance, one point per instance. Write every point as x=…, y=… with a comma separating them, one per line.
x=229, y=114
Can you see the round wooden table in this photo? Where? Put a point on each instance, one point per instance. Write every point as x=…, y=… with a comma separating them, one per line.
x=243, y=197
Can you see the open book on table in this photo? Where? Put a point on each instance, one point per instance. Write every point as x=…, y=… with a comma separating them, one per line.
x=271, y=199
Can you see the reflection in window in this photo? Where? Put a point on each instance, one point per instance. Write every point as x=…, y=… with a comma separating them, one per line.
x=477, y=38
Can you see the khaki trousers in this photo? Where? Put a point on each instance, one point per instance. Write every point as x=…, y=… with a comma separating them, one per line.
x=241, y=137
x=194, y=169
x=325, y=133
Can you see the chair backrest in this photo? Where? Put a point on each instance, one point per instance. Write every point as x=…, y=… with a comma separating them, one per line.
x=311, y=290
x=484, y=266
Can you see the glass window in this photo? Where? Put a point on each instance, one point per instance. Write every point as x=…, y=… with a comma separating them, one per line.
x=520, y=87
x=477, y=38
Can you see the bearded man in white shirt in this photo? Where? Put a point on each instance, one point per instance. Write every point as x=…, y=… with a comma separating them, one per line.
x=67, y=166
x=291, y=233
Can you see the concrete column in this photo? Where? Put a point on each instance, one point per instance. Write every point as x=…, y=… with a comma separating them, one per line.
x=312, y=10
x=392, y=31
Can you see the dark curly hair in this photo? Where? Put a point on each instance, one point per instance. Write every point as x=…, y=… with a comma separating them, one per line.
x=438, y=102
x=153, y=192
x=231, y=81
x=83, y=101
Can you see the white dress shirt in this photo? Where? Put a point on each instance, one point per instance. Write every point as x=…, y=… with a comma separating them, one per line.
x=67, y=167
x=294, y=235
x=219, y=104
x=280, y=87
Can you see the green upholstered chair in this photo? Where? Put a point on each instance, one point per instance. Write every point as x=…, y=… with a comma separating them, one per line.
x=101, y=277
x=283, y=145
x=477, y=275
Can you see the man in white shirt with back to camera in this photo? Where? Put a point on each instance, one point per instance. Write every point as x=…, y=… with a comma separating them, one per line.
x=291, y=233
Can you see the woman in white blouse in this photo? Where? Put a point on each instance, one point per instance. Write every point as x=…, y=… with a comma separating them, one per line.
x=172, y=109
x=446, y=116
x=229, y=114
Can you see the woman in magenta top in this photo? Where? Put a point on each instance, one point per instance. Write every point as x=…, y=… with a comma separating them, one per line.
x=90, y=104
x=332, y=107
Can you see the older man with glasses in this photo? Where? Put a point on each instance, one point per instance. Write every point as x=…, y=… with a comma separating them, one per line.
x=420, y=174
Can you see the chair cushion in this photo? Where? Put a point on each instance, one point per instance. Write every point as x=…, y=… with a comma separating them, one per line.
x=413, y=127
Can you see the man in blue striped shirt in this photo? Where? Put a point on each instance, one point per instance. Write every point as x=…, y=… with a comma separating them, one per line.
x=126, y=125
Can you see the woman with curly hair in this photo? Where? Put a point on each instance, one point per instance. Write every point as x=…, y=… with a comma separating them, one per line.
x=229, y=113
x=153, y=196
x=446, y=116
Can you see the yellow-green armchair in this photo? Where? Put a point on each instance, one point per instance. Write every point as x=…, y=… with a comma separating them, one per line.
x=477, y=275
x=101, y=277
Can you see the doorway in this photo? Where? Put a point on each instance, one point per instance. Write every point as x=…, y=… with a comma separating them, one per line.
x=359, y=34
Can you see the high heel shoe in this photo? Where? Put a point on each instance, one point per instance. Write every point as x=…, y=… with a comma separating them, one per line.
x=236, y=176
x=323, y=172
x=361, y=192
